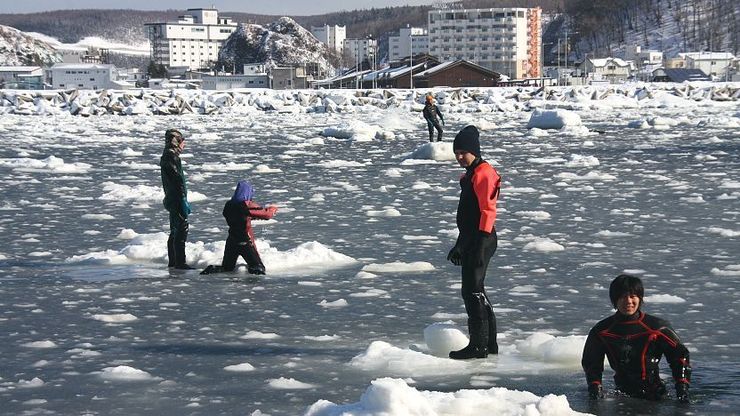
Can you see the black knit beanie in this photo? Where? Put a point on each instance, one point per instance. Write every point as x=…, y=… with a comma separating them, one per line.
x=467, y=139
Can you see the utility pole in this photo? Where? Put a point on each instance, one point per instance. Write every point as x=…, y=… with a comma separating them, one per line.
x=559, y=60
x=357, y=57
x=411, y=61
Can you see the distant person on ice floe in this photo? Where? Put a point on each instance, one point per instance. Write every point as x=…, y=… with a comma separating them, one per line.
x=433, y=116
x=239, y=211
x=476, y=242
x=633, y=342
x=175, y=198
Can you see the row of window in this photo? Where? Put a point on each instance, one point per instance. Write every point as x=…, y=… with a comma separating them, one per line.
x=502, y=29
x=201, y=46
x=498, y=39
x=472, y=17
x=69, y=72
x=192, y=53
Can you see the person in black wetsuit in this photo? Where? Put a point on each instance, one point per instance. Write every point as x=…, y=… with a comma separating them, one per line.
x=433, y=116
x=175, y=198
x=634, y=342
x=476, y=242
x=239, y=211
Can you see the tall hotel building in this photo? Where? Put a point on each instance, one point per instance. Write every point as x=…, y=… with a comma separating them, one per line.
x=505, y=40
x=332, y=36
x=193, y=41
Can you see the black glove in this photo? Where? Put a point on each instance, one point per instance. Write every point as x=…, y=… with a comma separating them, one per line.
x=477, y=254
x=682, y=392
x=595, y=391
x=455, y=255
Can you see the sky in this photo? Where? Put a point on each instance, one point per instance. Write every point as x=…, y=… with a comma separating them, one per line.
x=282, y=7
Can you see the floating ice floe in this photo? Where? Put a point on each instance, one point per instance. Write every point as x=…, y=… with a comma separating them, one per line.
x=50, y=164
x=553, y=119
x=440, y=151
x=126, y=373
x=664, y=299
x=391, y=396
x=398, y=267
x=240, y=368
x=152, y=248
x=356, y=130
x=115, y=317
x=284, y=383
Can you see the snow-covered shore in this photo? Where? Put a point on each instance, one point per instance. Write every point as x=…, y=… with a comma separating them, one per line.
x=466, y=100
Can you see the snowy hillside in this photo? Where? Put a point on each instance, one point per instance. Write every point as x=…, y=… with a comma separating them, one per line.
x=668, y=26
x=17, y=48
x=95, y=42
x=280, y=43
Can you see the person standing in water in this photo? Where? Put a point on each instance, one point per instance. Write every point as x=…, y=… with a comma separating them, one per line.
x=476, y=242
x=433, y=116
x=175, y=198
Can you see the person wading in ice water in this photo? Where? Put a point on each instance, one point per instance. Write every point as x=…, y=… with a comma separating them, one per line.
x=431, y=112
x=239, y=211
x=633, y=342
x=476, y=243
x=175, y=198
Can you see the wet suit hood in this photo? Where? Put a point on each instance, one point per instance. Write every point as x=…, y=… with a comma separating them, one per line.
x=172, y=140
x=243, y=192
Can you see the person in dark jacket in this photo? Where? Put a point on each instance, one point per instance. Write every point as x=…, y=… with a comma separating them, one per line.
x=634, y=342
x=175, y=198
x=433, y=116
x=476, y=242
x=239, y=211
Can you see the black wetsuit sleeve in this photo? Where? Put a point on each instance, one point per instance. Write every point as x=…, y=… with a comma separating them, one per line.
x=676, y=354
x=171, y=171
x=592, y=360
x=438, y=112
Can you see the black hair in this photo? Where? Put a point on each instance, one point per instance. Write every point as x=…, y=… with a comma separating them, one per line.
x=626, y=284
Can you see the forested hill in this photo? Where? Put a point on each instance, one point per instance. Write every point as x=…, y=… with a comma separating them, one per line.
x=606, y=27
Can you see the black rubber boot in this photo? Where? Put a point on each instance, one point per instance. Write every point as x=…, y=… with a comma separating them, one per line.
x=180, y=262
x=478, y=345
x=211, y=269
x=492, y=344
x=170, y=252
x=256, y=269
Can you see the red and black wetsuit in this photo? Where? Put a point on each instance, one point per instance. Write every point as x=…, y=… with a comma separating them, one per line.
x=634, y=345
x=432, y=115
x=240, y=242
x=476, y=214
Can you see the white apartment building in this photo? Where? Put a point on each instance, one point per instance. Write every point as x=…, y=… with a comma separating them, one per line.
x=331, y=36
x=361, y=49
x=192, y=42
x=410, y=40
x=86, y=77
x=505, y=40
x=714, y=64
